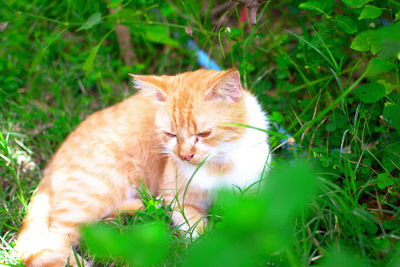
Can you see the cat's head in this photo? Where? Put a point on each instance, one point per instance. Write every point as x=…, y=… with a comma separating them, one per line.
x=195, y=110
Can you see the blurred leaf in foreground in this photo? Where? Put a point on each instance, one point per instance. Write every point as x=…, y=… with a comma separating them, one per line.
x=256, y=227
x=141, y=245
x=336, y=258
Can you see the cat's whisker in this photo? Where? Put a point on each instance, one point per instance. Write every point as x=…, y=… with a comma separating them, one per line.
x=161, y=149
x=225, y=148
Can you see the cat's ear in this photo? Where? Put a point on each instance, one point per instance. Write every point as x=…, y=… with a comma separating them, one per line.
x=226, y=87
x=150, y=85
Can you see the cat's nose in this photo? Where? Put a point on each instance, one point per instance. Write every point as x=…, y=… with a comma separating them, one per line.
x=187, y=157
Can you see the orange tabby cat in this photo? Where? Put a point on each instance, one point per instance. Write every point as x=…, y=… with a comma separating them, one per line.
x=158, y=136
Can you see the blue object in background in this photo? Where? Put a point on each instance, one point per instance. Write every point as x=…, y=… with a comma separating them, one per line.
x=202, y=58
x=283, y=131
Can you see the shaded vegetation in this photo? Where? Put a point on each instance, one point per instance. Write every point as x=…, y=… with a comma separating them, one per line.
x=327, y=73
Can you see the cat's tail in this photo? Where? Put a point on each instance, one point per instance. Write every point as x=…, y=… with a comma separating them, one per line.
x=36, y=245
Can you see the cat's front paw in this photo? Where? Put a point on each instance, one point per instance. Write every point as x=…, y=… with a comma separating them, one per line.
x=190, y=225
x=186, y=231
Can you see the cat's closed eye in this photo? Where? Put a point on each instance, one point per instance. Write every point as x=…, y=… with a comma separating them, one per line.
x=204, y=134
x=170, y=134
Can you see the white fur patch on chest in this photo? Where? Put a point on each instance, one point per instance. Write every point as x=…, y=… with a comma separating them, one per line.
x=249, y=156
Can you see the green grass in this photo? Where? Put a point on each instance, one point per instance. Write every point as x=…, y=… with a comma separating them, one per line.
x=311, y=66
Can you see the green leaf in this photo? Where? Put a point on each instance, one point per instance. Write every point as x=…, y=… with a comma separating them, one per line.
x=346, y=24
x=159, y=34
x=370, y=92
x=362, y=42
x=391, y=32
x=370, y=12
x=391, y=113
x=377, y=66
x=93, y=20
x=384, y=40
x=391, y=157
x=113, y=4
x=39, y=56
x=389, y=48
x=388, y=38
x=276, y=117
x=389, y=87
x=245, y=65
x=88, y=64
x=381, y=185
x=384, y=180
x=125, y=15
x=356, y=3
x=317, y=6
x=397, y=16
